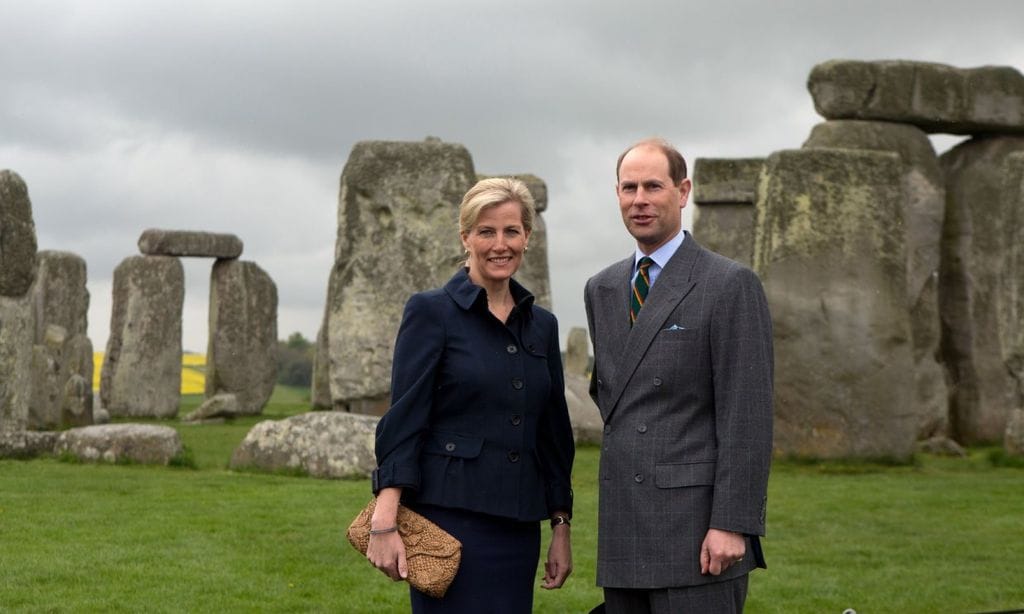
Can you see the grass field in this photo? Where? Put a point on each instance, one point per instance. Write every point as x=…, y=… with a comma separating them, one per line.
x=943, y=535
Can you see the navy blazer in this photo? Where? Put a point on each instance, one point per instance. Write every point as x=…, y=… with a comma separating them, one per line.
x=478, y=419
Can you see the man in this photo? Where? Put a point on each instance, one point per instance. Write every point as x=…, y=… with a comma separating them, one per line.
x=685, y=392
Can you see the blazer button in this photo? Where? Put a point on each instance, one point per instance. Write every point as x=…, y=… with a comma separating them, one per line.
x=513, y=456
x=641, y=428
x=638, y=478
x=449, y=446
x=516, y=419
x=657, y=381
x=517, y=383
x=511, y=349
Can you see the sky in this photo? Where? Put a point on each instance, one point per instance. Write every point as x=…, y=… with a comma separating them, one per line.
x=238, y=116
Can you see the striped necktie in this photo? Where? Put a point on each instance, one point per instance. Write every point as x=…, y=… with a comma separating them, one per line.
x=641, y=285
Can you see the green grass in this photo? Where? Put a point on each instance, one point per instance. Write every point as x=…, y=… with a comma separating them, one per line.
x=942, y=535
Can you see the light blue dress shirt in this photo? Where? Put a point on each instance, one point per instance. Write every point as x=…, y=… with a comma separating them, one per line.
x=661, y=256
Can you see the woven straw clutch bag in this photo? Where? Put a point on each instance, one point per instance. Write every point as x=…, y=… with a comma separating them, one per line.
x=431, y=553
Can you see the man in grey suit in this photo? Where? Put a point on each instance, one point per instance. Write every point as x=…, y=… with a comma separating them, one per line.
x=683, y=378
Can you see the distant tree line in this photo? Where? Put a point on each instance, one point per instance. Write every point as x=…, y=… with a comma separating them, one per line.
x=295, y=361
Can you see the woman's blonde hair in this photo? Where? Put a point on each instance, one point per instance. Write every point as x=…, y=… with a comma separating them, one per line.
x=492, y=192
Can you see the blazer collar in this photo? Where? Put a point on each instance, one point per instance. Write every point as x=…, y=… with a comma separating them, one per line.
x=466, y=294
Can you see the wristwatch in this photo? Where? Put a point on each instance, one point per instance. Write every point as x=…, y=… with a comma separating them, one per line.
x=557, y=520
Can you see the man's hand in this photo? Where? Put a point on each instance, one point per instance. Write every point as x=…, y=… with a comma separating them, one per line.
x=721, y=550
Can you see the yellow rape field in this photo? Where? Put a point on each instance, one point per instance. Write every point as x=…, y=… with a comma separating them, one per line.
x=193, y=372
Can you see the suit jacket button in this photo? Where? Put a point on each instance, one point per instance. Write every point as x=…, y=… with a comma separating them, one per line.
x=638, y=478
x=517, y=383
x=657, y=381
x=511, y=349
x=516, y=419
x=641, y=428
x=513, y=456
x=449, y=446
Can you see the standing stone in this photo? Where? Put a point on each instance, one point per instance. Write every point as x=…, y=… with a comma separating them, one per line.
x=533, y=273
x=934, y=97
x=60, y=303
x=242, y=354
x=47, y=380
x=17, y=236
x=76, y=403
x=1013, y=440
x=141, y=373
x=16, y=358
x=59, y=296
x=1011, y=291
x=923, y=211
x=156, y=242
x=320, y=387
x=577, y=352
x=830, y=252
x=979, y=252
x=724, y=192
x=397, y=234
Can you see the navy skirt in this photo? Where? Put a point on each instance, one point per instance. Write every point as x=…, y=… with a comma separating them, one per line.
x=498, y=567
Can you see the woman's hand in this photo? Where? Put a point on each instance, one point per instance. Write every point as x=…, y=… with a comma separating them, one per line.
x=559, y=564
x=386, y=551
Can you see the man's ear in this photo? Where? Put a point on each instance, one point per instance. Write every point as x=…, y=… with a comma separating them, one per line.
x=684, y=191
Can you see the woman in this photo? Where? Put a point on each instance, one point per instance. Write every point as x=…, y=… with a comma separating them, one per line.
x=478, y=438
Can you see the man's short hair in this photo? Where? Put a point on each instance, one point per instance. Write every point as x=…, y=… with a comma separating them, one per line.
x=676, y=162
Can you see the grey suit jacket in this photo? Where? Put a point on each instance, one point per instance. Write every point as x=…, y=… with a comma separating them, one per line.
x=686, y=397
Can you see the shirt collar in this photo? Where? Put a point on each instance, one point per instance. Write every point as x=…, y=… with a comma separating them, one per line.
x=663, y=254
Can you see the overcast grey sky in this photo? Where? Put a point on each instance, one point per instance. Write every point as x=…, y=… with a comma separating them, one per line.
x=238, y=116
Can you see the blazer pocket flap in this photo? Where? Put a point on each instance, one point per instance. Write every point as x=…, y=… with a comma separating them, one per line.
x=679, y=475
x=451, y=444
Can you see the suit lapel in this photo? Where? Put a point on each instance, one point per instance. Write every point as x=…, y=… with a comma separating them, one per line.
x=613, y=306
x=673, y=284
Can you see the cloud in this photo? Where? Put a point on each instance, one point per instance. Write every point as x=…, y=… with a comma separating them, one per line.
x=238, y=117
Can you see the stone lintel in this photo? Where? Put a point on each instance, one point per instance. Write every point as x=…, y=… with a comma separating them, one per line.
x=157, y=242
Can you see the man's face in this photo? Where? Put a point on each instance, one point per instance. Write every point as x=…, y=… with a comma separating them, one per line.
x=651, y=205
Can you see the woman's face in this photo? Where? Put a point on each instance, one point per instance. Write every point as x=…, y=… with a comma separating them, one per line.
x=496, y=243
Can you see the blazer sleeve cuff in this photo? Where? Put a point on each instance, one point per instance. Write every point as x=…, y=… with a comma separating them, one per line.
x=389, y=476
x=559, y=499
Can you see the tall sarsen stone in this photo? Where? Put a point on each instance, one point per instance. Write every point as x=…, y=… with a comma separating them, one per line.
x=397, y=234
x=242, y=355
x=17, y=236
x=923, y=208
x=141, y=373
x=830, y=251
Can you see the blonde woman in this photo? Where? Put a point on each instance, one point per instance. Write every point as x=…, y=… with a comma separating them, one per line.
x=478, y=438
